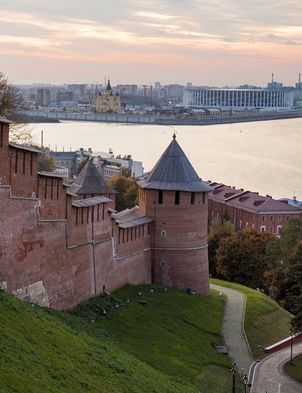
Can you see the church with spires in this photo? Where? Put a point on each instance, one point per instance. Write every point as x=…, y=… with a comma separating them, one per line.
x=61, y=244
x=107, y=101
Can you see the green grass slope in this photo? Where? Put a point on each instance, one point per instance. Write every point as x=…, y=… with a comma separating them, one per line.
x=162, y=346
x=265, y=321
x=295, y=370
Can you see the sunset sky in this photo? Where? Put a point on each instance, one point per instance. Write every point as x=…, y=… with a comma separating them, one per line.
x=207, y=42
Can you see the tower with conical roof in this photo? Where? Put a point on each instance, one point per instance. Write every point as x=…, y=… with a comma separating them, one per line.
x=90, y=182
x=177, y=200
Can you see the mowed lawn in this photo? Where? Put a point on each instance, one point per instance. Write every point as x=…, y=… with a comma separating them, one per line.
x=143, y=339
x=265, y=321
x=295, y=370
x=171, y=331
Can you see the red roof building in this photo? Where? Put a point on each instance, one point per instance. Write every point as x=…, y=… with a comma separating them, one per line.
x=246, y=209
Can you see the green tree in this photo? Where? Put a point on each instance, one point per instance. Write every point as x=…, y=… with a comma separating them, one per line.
x=287, y=277
x=241, y=257
x=217, y=232
x=281, y=258
x=291, y=234
x=293, y=283
x=127, y=191
x=126, y=172
x=11, y=102
x=46, y=163
x=131, y=196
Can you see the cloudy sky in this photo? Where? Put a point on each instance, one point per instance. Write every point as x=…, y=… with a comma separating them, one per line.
x=214, y=42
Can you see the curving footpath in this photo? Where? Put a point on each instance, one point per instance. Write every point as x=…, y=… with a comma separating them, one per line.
x=269, y=375
x=233, y=329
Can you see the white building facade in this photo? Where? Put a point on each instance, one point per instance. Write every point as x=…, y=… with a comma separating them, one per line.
x=238, y=99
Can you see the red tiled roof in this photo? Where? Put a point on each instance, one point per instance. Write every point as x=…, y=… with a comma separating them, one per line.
x=221, y=192
x=250, y=201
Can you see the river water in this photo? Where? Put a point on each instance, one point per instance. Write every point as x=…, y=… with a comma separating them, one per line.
x=258, y=156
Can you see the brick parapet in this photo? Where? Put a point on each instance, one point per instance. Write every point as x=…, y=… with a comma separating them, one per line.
x=4, y=159
x=58, y=252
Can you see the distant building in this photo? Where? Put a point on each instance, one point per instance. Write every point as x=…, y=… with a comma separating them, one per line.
x=126, y=162
x=292, y=202
x=65, y=98
x=174, y=93
x=106, y=101
x=246, y=209
x=135, y=167
x=273, y=85
x=239, y=99
x=298, y=93
x=43, y=97
x=62, y=171
x=106, y=169
x=70, y=160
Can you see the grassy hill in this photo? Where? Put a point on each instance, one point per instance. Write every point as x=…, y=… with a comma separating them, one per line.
x=295, y=370
x=148, y=341
x=265, y=321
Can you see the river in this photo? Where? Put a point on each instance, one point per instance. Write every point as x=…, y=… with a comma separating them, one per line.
x=258, y=156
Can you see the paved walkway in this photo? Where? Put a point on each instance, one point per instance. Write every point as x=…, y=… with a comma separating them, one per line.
x=269, y=376
x=233, y=332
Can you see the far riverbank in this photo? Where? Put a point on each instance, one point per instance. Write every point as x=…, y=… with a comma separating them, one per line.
x=221, y=118
x=257, y=156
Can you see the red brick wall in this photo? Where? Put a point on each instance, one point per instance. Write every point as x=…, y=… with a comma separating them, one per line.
x=130, y=240
x=56, y=254
x=73, y=262
x=4, y=160
x=179, y=238
x=186, y=269
x=23, y=172
x=52, y=195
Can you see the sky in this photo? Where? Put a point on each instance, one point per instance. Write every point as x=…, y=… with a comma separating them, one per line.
x=206, y=42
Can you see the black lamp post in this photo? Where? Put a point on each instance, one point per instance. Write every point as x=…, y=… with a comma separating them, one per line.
x=245, y=380
x=291, y=347
x=234, y=371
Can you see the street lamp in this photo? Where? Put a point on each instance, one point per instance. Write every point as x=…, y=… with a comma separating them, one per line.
x=245, y=380
x=291, y=347
x=234, y=371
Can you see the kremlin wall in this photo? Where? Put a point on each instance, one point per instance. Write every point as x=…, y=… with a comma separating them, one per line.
x=61, y=244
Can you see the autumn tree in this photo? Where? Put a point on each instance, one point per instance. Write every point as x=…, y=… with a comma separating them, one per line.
x=241, y=257
x=291, y=234
x=217, y=232
x=281, y=258
x=127, y=191
x=46, y=163
x=287, y=277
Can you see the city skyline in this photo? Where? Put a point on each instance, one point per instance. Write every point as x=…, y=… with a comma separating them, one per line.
x=209, y=43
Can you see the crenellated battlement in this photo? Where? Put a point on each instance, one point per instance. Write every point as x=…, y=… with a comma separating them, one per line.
x=61, y=244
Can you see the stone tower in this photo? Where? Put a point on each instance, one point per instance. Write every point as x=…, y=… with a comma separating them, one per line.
x=177, y=200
